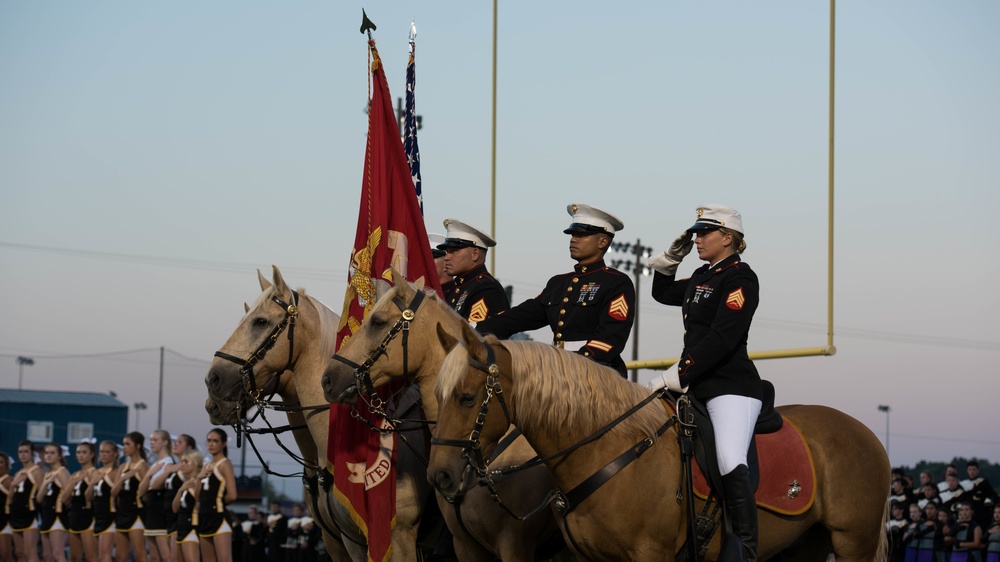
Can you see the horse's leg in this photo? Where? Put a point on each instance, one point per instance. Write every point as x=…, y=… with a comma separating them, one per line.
x=335, y=549
x=409, y=505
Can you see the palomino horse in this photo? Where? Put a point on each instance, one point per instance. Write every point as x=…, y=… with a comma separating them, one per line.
x=559, y=399
x=482, y=529
x=287, y=349
x=227, y=413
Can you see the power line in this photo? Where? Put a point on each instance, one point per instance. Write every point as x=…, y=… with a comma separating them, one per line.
x=111, y=355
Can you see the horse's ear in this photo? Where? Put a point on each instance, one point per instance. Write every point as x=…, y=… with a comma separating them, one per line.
x=447, y=340
x=473, y=342
x=246, y=308
x=420, y=283
x=403, y=287
x=280, y=287
x=264, y=283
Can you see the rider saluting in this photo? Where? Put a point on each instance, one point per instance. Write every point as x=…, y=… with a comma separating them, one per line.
x=717, y=305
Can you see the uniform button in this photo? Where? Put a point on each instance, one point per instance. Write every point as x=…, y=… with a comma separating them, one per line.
x=583, y=270
x=558, y=335
x=576, y=279
x=687, y=362
x=560, y=323
x=583, y=304
x=565, y=299
x=563, y=311
x=569, y=289
x=586, y=354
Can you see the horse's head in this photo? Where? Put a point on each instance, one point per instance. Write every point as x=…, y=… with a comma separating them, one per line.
x=392, y=342
x=473, y=412
x=261, y=347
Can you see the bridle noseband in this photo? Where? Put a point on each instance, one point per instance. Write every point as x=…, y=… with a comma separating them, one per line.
x=362, y=372
x=247, y=365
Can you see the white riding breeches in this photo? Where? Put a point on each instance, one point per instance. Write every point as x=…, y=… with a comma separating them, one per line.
x=733, y=419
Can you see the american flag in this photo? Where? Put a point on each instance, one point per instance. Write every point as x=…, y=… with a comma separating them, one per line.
x=410, y=122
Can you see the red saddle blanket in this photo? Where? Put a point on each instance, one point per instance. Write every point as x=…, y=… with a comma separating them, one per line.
x=787, y=475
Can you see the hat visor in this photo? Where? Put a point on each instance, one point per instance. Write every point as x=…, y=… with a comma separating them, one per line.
x=581, y=229
x=455, y=244
x=437, y=253
x=704, y=226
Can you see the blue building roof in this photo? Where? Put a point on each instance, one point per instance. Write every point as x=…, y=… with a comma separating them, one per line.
x=59, y=398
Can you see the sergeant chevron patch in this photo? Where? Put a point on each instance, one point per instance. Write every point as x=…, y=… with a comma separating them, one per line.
x=479, y=311
x=619, y=308
x=735, y=299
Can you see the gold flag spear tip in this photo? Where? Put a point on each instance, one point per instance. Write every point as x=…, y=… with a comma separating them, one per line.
x=413, y=30
x=366, y=24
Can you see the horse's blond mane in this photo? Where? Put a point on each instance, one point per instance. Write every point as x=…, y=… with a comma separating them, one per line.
x=555, y=389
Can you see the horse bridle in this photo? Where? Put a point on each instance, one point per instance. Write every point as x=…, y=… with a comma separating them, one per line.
x=247, y=365
x=362, y=371
x=472, y=450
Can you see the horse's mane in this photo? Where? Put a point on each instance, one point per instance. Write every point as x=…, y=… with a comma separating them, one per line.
x=554, y=389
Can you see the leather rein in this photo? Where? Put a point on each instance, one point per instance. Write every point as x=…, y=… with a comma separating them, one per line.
x=564, y=502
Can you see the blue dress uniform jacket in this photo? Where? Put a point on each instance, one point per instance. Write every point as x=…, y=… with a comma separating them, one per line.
x=476, y=295
x=717, y=304
x=594, y=304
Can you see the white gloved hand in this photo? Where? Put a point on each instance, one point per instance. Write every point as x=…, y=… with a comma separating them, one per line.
x=667, y=261
x=670, y=379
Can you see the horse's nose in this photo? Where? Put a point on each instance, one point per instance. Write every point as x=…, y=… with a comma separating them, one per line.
x=214, y=412
x=214, y=383
x=327, y=386
x=442, y=480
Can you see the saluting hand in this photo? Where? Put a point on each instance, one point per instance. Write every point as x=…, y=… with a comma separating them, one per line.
x=667, y=261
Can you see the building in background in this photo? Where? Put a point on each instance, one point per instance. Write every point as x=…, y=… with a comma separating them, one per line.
x=44, y=416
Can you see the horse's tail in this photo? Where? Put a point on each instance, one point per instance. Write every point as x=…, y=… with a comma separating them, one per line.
x=882, y=552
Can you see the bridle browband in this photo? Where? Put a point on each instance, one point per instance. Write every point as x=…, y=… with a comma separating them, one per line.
x=247, y=365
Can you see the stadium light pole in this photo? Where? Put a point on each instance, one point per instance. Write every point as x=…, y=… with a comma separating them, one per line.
x=21, y=362
x=139, y=406
x=639, y=269
x=885, y=408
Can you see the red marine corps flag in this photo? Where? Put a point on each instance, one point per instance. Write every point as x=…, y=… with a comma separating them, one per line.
x=390, y=234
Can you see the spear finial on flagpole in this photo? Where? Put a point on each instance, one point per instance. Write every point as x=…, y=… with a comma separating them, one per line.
x=366, y=24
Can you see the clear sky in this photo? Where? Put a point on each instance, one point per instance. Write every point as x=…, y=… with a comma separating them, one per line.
x=152, y=155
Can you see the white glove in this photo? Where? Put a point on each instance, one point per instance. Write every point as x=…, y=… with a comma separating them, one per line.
x=669, y=379
x=668, y=260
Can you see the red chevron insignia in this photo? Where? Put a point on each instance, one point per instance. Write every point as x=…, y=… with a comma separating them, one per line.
x=619, y=308
x=735, y=299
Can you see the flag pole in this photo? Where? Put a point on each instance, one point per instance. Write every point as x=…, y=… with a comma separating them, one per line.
x=493, y=150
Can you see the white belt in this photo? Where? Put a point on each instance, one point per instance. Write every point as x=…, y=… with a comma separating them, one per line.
x=573, y=346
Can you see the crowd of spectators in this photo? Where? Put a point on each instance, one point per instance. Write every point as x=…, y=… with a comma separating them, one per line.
x=955, y=520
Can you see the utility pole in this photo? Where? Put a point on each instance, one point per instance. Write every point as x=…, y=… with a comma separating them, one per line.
x=638, y=269
x=21, y=362
x=159, y=407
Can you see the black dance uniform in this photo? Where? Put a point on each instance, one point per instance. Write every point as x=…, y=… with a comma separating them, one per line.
x=104, y=507
x=186, y=526
x=21, y=505
x=4, y=518
x=211, y=505
x=170, y=487
x=154, y=518
x=129, y=504
x=81, y=515
x=53, y=516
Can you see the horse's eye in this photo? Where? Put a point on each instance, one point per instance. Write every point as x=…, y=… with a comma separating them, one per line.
x=377, y=321
x=260, y=322
x=467, y=400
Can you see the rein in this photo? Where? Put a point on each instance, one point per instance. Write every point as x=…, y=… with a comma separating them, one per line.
x=564, y=502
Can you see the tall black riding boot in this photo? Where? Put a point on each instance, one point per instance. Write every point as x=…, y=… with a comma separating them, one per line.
x=741, y=508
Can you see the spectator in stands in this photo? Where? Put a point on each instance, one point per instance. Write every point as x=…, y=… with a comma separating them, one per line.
x=895, y=527
x=913, y=532
x=937, y=539
x=966, y=537
x=901, y=493
x=255, y=531
x=277, y=532
x=952, y=494
x=950, y=469
x=929, y=494
x=947, y=522
x=980, y=493
x=993, y=537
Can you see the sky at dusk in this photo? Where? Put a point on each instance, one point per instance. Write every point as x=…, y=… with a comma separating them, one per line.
x=153, y=155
